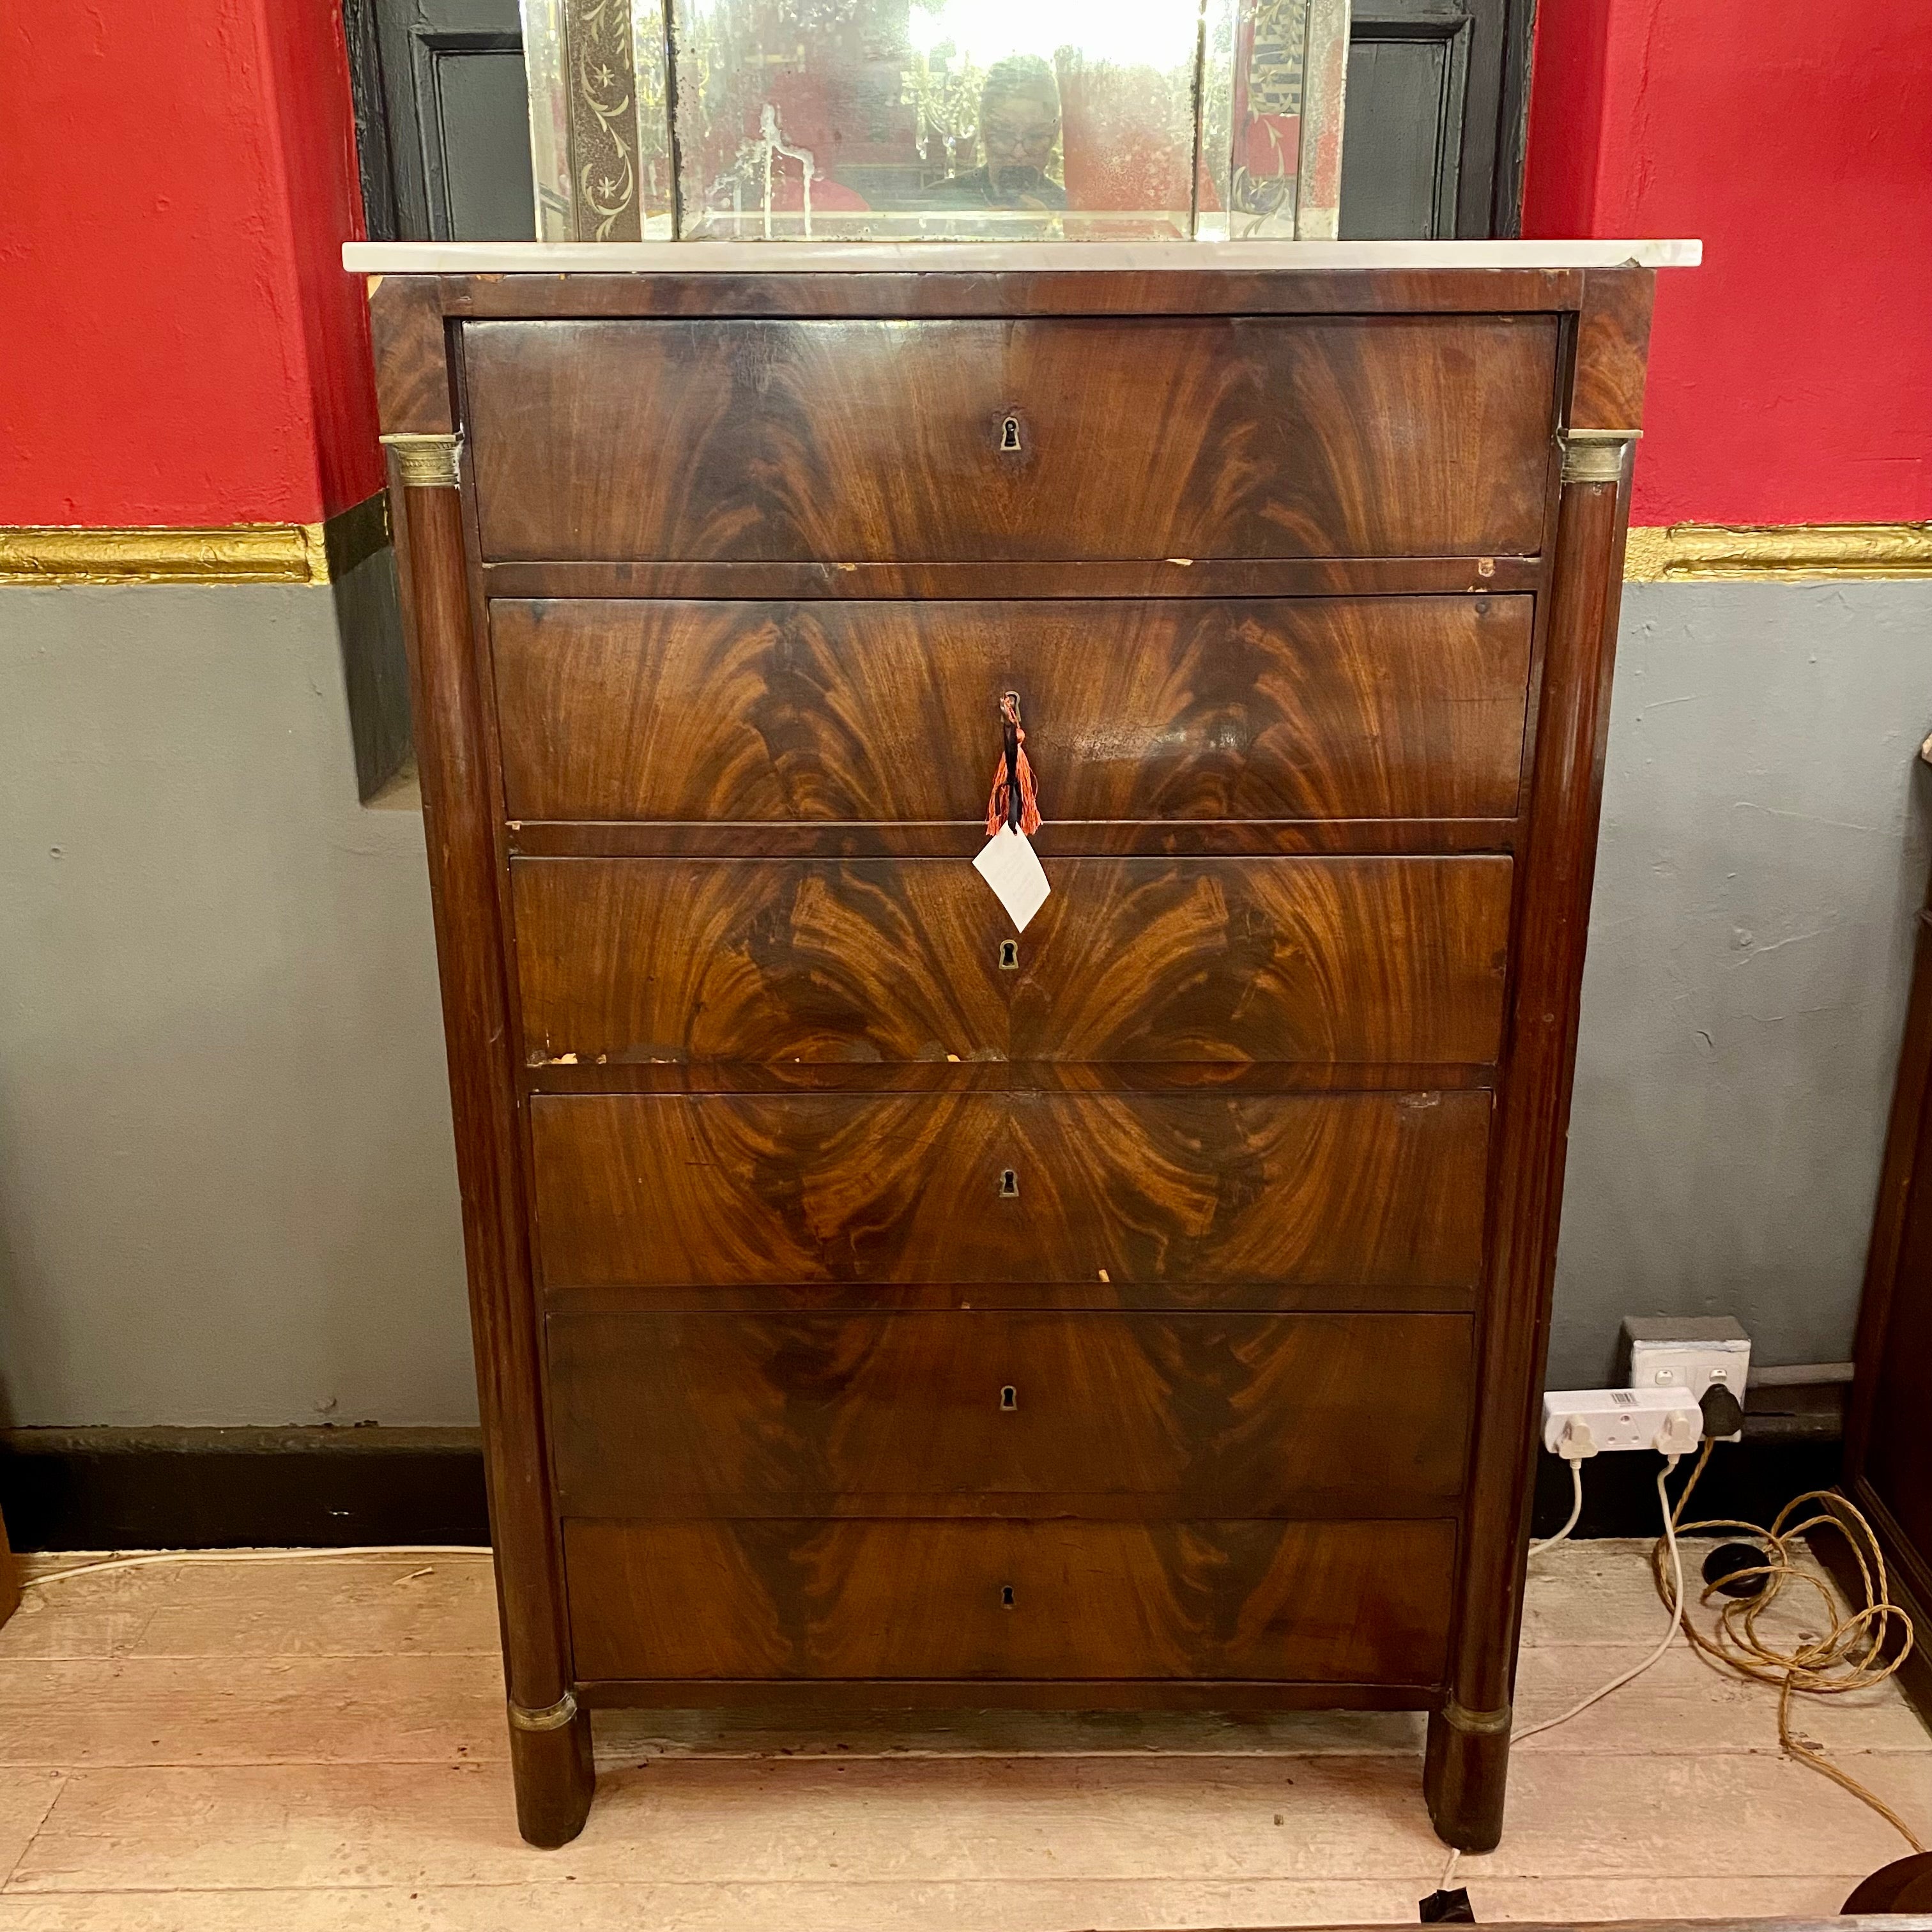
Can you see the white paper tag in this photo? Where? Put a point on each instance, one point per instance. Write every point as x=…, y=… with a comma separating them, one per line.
x=1008, y=864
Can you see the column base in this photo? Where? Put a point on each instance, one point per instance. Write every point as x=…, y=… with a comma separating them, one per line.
x=1465, y=1774
x=551, y=1765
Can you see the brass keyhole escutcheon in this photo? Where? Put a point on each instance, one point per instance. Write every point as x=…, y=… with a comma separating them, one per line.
x=1009, y=956
x=1010, y=1184
x=1006, y=1596
x=1009, y=434
x=1009, y=1397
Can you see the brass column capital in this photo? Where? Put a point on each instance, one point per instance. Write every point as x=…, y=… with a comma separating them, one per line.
x=425, y=462
x=1597, y=455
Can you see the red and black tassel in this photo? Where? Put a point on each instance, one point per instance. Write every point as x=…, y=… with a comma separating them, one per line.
x=1015, y=802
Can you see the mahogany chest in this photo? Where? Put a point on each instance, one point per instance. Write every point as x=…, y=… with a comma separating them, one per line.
x=877, y=1305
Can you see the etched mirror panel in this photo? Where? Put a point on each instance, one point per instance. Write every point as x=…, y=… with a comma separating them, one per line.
x=600, y=119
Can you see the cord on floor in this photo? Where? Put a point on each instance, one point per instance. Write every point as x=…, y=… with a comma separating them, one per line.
x=1850, y=1656
x=1669, y=1635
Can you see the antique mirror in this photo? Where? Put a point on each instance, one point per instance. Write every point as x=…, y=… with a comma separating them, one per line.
x=915, y=120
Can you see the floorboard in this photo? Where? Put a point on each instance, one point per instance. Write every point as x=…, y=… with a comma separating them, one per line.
x=319, y=1744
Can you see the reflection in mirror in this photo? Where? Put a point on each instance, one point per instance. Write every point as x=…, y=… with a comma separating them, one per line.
x=941, y=118
x=908, y=120
x=1285, y=76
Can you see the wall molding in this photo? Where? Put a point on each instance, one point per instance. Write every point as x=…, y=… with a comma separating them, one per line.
x=59, y=554
x=321, y=554
x=1790, y=553
x=214, y=1489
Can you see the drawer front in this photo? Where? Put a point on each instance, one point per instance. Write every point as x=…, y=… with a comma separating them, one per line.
x=1387, y=960
x=881, y=442
x=1318, y=708
x=1347, y=1188
x=996, y=1414
x=1331, y=1603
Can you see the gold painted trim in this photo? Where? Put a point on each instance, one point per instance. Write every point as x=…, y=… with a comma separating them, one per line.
x=1791, y=553
x=1597, y=455
x=59, y=554
x=425, y=462
x=243, y=553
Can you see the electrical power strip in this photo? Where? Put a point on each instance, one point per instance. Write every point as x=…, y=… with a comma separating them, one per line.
x=1579, y=1423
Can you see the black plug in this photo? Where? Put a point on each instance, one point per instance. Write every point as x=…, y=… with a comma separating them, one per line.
x=1723, y=1414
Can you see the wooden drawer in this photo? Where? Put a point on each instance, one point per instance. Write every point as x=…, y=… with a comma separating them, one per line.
x=1279, y=708
x=871, y=441
x=1002, y=1414
x=1387, y=960
x=1329, y=1603
x=666, y=1189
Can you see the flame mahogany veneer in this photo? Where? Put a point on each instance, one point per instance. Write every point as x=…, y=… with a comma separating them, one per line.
x=872, y=1305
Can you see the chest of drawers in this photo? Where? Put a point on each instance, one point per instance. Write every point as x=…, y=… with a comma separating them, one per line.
x=876, y=1306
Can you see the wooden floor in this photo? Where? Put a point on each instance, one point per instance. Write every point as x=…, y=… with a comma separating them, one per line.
x=303, y=1745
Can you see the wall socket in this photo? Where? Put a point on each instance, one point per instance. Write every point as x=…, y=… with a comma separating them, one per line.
x=1688, y=1352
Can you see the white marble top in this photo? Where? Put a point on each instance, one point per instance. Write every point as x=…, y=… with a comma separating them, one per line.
x=553, y=258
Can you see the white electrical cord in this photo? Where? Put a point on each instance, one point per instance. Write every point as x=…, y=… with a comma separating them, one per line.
x=319, y=1555
x=1576, y=1509
x=1669, y=1635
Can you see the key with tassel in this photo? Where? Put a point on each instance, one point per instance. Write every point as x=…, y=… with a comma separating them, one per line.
x=1007, y=862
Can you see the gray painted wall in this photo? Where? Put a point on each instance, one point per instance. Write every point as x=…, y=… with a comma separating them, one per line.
x=227, y=1192
x=226, y=1189
x=1763, y=851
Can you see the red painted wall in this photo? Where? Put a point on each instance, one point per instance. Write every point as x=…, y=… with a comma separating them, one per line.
x=182, y=346
x=1791, y=376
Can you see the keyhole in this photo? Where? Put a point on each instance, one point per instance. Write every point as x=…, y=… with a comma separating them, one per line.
x=1010, y=1184
x=1006, y=1596
x=1009, y=956
x=1009, y=1397
x=1010, y=434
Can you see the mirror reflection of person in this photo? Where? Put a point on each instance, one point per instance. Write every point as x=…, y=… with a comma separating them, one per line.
x=1019, y=128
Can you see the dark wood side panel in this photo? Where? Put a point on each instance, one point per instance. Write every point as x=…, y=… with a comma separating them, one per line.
x=1336, y=1602
x=776, y=960
x=1885, y=1461
x=997, y=1414
x=1888, y=1474
x=743, y=1188
x=1886, y=1445
x=10, y=1579
x=876, y=441
x=1397, y=707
